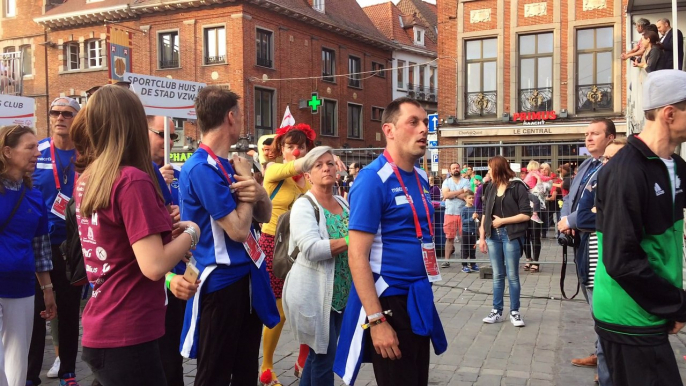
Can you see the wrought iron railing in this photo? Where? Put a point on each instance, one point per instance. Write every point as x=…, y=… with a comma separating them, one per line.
x=536, y=99
x=169, y=63
x=264, y=62
x=215, y=59
x=422, y=93
x=481, y=104
x=594, y=97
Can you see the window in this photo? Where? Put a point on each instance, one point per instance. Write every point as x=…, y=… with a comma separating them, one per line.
x=10, y=8
x=594, y=71
x=379, y=68
x=168, y=48
x=71, y=53
x=264, y=48
x=354, y=69
x=482, y=77
x=264, y=112
x=432, y=79
x=318, y=5
x=215, y=45
x=410, y=77
x=26, y=58
x=422, y=72
x=377, y=113
x=536, y=72
x=328, y=65
x=179, y=130
x=354, y=121
x=329, y=118
x=401, y=74
x=418, y=36
x=93, y=54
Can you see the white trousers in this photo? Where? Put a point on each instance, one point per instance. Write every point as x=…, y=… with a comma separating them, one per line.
x=16, y=326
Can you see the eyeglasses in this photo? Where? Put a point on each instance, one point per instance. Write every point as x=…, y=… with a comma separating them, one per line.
x=65, y=114
x=172, y=136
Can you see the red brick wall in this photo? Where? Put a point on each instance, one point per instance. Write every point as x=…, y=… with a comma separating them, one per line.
x=492, y=24
x=447, y=55
x=534, y=20
x=596, y=13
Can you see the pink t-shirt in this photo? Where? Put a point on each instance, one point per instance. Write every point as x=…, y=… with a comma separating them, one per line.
x=126, y=308
x=531, y=180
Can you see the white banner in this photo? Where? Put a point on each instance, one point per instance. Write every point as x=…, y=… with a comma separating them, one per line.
x=164, y=96
x=15, y=110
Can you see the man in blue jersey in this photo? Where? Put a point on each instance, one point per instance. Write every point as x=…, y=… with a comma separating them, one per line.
x=54, y=177
x=393, y=260
x=223, y=322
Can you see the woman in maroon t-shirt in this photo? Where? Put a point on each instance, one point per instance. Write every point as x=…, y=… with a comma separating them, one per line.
x=126, y=240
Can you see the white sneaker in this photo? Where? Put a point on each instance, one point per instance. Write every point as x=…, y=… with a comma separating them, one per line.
x=55, y=369
x=516, y=319
x=536, y=219
x=494, y=317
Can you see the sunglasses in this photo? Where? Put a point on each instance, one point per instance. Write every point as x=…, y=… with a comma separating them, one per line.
x=65, y=114
x=172, y=136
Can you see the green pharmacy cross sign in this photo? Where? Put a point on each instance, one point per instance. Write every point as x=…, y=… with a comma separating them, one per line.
x=315, y=102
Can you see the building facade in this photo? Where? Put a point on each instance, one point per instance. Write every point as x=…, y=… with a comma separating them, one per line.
x=528, y=71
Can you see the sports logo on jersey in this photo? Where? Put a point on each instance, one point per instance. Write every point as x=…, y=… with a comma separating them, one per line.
x=658, y=190
x=175, y=183
x=101, y=253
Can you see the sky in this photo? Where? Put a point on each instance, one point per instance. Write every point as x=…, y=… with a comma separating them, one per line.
x=365, y=3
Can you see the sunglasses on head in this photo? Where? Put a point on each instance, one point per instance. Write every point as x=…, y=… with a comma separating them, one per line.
x=65, y=114
x=172, y=136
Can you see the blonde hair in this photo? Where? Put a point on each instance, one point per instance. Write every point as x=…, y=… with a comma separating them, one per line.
x=545, y=165
x=532, y=165
x=619, y=141
x=10, y=137
x=117, y=129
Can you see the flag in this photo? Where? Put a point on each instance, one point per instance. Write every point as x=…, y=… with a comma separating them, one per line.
x=288, y=119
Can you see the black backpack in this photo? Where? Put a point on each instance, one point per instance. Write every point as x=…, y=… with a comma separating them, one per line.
x=71, y=249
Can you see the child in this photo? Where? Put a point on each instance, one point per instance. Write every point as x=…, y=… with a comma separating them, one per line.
x=470, y=227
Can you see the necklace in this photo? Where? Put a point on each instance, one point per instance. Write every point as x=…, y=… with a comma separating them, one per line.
x=65, y=176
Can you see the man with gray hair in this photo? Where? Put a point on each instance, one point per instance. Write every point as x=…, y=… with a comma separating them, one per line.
x=638, y=49
x=667, y=40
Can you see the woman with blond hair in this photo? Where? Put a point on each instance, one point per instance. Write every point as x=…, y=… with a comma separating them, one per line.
x=125, y=234
x=24, y=251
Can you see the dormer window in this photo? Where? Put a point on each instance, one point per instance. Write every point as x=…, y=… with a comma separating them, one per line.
x=318, y=5
x=419, y=36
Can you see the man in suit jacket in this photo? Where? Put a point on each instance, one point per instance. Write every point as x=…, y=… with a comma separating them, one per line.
x=667, y=59
x=599, y=134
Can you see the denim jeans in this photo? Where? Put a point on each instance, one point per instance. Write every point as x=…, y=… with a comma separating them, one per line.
x=318, y=370
x=604, y=377
x=504, y=255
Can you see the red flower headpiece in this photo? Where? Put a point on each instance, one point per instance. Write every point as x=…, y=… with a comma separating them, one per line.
x=305, y=128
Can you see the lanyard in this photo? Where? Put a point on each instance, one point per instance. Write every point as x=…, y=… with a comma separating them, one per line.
x=216, y=159
x=417, y=227
x=54, y=168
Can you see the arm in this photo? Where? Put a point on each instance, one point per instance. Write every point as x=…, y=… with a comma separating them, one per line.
x=521, y=194
x=43, y=260
x=249, y=191
x=279, y=172
x=156, y=259
x=585, y=218
x=305, y=233
x=237, y=223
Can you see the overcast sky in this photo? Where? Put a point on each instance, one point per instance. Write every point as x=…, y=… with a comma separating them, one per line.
x=365, y=3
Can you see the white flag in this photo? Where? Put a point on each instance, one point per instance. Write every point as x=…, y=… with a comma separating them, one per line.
x=288, y=119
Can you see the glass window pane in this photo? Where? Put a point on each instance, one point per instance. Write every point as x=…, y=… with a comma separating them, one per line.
x=490, y=48
x=473, y=77
x=585, y=69
x=545, y=72
x=527, y=44
x=527, y=74
x=584, y=39
x=604, y=67
x=490, y=76
x=545, y=43
x=604, y=38
x=211, y=43
x=221, y=41
x=473, y=49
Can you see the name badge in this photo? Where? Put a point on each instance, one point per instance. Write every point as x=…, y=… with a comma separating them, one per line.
x=254, y=250
x=430, y=263
x=401, y=200
x=59, y=206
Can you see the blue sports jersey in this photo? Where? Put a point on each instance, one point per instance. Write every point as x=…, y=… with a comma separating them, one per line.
x=44, y=180
x=166, y=194
x=175, y=185
x=396, y=252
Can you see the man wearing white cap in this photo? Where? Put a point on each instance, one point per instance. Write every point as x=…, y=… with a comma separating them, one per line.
x=638, y=298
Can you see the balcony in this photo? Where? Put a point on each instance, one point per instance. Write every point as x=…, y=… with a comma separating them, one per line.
x=595, y=97
x=264, y=62
x=215, y=59
x=422, y=93
x=481, y=104
x=536, y=99
x=171, y=63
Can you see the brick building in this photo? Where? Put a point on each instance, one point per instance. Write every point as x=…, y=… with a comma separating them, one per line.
x=254, y=47
x=534, y=71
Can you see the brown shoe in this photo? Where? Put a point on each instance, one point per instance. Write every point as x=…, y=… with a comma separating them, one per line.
x=589, y=361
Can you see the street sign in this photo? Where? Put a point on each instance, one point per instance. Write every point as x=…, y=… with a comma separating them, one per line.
x=433, y=123
x=432, y=139
x=16, y=110
x=164, y=96
x=434, y=161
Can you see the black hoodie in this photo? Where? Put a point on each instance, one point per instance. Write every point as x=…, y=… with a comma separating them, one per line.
x=516, y=201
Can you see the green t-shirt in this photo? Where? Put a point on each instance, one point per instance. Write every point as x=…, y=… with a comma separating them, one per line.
x=337, y=226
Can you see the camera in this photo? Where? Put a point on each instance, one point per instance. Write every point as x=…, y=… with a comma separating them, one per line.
x=565, y=240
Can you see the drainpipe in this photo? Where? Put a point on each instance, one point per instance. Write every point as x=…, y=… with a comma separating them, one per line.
x=629, y=88
x=47, y=83
x=675, y=37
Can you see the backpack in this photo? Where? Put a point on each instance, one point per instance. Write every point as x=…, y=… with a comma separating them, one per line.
x=71, y=249
x=283, y=261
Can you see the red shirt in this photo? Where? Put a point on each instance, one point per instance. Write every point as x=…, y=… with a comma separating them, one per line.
x=126, y=308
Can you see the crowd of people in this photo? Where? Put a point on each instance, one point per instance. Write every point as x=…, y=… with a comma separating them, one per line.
x=206, y=262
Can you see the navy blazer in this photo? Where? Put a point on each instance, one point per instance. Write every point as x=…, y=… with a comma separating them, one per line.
x=568, y=207
x=667, y=60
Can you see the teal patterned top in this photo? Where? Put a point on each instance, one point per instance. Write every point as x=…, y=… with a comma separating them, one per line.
x=337, y=226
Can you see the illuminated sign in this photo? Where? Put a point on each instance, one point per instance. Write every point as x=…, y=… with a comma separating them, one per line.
x=534, y=117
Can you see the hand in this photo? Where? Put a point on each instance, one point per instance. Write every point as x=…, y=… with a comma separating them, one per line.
x=385, y=341
x=482, y=245
x=340, y=166
x=677, y=327
x=181, y=288
x=562, y=225
x=475, y=216
x=498, y=222
x=624, y=56
x=242, y=166
x=168, y=173
x=248, y=190
x=50, y=312
x=174, y=213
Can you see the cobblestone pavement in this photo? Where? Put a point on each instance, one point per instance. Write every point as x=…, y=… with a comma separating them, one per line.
x=479, y=354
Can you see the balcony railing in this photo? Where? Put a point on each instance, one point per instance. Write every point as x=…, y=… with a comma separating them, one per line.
x=420, y=93
x=215, y=59
x=594, y=97
x=171, y=63
x=481, y=104
x=264, y=62
x=536, y=99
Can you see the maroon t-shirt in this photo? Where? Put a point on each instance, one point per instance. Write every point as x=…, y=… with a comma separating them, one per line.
x=127, y=308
